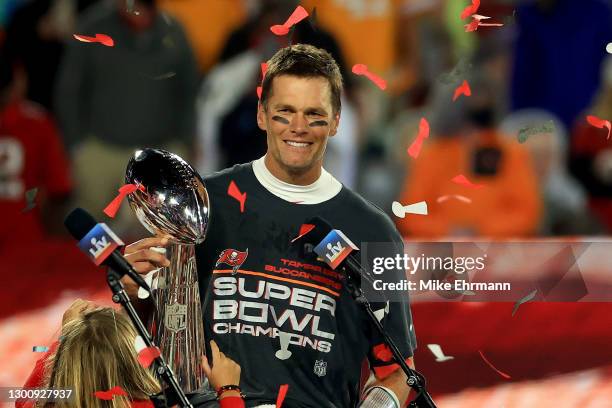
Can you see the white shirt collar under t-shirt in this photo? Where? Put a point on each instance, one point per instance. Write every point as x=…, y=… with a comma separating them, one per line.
x=325, y=188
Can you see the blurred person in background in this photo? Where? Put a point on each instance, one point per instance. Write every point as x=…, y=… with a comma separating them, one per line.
x=96, y=352
x=591, y=152
x=466, y=142
x=565, y=209
x=227, y=134
x=558, y=55
x=31, y=157
x=35, y=38
x=112, y=100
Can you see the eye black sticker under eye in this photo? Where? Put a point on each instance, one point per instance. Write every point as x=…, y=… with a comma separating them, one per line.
x=318, y=123
x=280, y=119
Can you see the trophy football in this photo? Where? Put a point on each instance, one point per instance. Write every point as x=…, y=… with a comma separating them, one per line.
x=174, y=203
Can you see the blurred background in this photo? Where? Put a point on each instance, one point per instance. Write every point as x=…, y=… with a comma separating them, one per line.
x=182, y=75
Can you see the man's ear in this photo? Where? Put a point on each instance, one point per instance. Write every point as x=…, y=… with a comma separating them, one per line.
x=334, y=124
x=261, y=116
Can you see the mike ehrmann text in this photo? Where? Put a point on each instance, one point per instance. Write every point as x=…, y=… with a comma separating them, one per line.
x=436, y=285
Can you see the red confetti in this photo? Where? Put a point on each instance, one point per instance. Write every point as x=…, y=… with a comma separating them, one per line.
x=415, y=147
x=506, y=376
x=599, y=123
x=112, y=208
x=476, y=22
x=298, y=15
x=304, y=229
x=264, y=69
x=463, y=89
x=362, y=69
x=99, y=38
x=471, y=9
x=461, y=179
x=282, y=392
x=147, y=355
x=109, y=395
x=382, y=352
x=234, y=192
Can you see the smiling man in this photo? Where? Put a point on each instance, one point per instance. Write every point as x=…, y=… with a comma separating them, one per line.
x=280, y=313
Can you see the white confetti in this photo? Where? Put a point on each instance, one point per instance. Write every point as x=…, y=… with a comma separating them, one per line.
x=436, y=350
x=139, y=344
x=400, y=210
x=524, y=299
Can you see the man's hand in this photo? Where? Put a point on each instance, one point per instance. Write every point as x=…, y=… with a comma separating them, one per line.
x=224, y=371
x=144, y=260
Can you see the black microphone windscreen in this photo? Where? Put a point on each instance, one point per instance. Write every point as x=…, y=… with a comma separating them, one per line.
x=79, y=222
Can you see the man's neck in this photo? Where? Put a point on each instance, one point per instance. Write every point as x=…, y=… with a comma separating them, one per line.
x=301, y=179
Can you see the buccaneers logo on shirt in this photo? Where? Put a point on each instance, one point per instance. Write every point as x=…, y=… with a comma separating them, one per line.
x=233, y=258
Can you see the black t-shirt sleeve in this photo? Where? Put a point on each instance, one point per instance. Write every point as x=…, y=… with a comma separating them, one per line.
x=395, y=315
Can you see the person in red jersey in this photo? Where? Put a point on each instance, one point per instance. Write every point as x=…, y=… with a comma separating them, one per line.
x=31, y=157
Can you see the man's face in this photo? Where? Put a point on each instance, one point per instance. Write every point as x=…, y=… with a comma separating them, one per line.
x=298, y=119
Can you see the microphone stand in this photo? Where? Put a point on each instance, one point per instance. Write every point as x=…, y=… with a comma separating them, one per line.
x=173, y=392
x=415, y=380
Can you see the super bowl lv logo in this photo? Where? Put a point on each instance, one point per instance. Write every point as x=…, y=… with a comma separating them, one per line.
x=233, y=258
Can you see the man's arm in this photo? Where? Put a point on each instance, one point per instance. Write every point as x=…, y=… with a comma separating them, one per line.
x=396, y=382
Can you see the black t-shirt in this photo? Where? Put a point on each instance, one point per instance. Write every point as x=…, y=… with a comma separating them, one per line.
x=284, y=317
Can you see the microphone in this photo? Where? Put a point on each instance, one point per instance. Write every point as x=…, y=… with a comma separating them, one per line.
x=335, y=248
x=100, y=243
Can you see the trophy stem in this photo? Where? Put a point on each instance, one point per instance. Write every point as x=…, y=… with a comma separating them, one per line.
x=177, y=324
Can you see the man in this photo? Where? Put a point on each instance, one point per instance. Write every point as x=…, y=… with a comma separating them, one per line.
x=284, y=317
x=110, y=100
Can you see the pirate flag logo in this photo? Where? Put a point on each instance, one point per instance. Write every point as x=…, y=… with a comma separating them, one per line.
x=233, y=258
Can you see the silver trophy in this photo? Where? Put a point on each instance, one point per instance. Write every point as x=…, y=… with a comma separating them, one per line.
x=175, y=204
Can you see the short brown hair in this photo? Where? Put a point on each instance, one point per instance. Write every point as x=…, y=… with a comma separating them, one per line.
x=305, y=61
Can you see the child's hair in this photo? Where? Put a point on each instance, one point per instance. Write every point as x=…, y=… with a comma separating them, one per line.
x=96, y=353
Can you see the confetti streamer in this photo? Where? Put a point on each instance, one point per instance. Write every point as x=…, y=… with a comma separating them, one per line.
x=110, y=394
x=436, y=350
x=599, y=123
x=99, y=38
x=282, y=392
x=298, y=15
x=362, y=69
x=471, y=9
x=304, y=229
x=400, y=211
x=40, y=349
x=461, y=179
x=463, y=89
x=524, y=133
x=30, y=197
x=415, y=146
x=235, y=193
x=147, y=355
x=459, y=197
x=522, y=300
x=264, y=69
x=506, y=376
x=112, y=208
x=476, y=22
x=167, y=75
